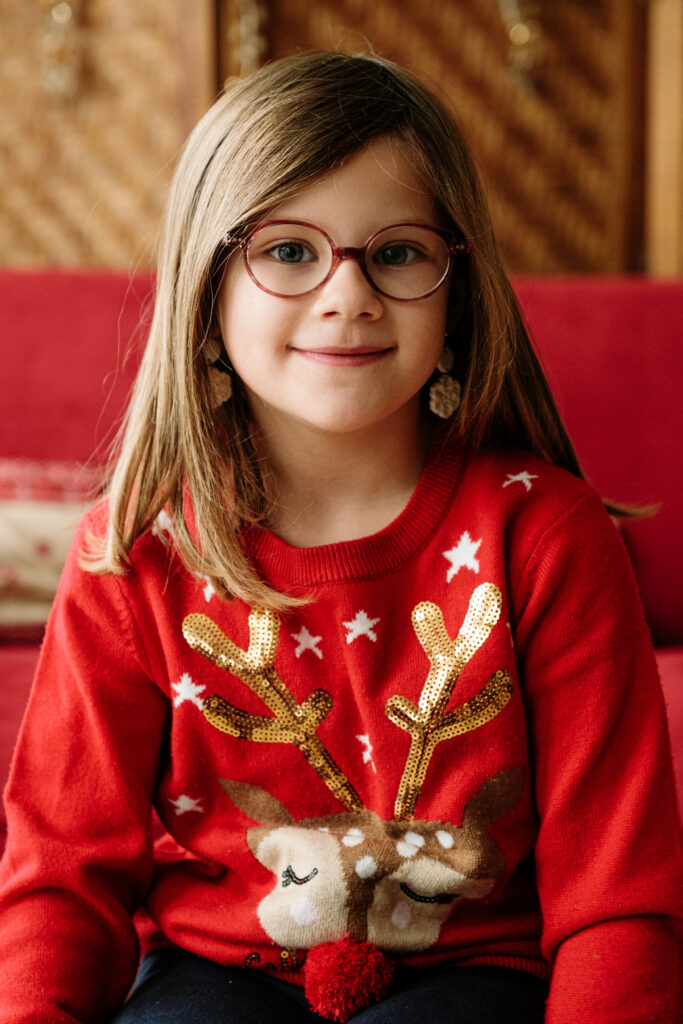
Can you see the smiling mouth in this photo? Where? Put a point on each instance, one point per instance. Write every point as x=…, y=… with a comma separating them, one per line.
x=343, y=356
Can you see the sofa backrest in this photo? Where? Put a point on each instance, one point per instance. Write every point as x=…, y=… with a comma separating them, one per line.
x=64, y=339
x=612, y=348
x=613, y=352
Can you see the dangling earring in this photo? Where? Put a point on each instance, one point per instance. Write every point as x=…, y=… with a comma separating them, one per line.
x=444, y=394
x=220, y=382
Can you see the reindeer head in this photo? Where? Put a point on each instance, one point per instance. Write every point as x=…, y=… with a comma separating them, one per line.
x=388, y=882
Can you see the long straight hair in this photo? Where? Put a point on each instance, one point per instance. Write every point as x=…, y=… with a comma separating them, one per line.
x=267, y=137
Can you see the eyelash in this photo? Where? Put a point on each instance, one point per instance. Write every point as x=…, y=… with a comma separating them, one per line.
x=289, y=876
x=441, y=897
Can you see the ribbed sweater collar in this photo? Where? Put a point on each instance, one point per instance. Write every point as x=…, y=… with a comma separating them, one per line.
x=284, y=566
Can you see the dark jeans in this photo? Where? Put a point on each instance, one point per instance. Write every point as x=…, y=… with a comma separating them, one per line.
x=175, y=987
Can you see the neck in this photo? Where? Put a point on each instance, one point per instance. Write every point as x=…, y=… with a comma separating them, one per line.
x=333, y=487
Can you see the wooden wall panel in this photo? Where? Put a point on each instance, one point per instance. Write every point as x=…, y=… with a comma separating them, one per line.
x=664, y=164
x=555, y=121
x=97, y=96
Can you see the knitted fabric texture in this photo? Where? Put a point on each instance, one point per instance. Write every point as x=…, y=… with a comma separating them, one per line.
x=455, y=753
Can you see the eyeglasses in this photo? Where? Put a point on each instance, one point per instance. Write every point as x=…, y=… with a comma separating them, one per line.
x=290, y=258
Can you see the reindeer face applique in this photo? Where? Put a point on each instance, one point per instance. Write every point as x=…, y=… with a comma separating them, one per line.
x=392, y=883
x=388, y=882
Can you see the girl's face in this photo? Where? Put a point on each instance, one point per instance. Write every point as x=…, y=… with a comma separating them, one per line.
x=344, y=357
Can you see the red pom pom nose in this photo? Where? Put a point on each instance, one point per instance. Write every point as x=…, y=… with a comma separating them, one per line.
x=346, y=976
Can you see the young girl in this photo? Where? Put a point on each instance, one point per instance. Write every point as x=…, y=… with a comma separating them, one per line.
x=350, y=620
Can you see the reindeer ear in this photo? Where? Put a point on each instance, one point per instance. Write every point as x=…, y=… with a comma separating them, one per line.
x=496, y=797
x=256, y=803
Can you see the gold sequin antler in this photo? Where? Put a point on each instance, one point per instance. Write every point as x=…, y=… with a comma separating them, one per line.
x=293, y=723
x=429, y=722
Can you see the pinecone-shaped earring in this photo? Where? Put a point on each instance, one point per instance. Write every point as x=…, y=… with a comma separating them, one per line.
x=444, y=394
x=220, y=382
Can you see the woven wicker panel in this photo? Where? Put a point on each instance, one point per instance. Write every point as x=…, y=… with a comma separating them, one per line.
x=94, y=109
x=556, y=123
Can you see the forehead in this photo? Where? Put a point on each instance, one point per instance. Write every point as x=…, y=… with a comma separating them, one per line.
x=375, y=187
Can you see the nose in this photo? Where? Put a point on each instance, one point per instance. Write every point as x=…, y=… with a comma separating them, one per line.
x=348, y=293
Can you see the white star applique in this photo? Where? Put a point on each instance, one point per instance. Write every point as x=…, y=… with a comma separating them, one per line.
x=521, y=478
x=306, y=642
x=186, y=689
x=367, y=751
x=162, y=527
x=186, y=803
x=462, y=556
x=361, y=625
x=209, y=590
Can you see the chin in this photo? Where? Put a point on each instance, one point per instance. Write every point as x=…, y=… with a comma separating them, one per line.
x=348, y=425
x=344, y=420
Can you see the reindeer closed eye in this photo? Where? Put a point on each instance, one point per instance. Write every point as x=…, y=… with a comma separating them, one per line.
x=289, y=876
x=441, y=897
x=390, y=882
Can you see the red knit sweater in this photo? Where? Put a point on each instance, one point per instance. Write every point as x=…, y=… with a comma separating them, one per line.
x=457, y=750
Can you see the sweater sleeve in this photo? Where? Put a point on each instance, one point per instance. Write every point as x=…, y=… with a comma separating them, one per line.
x=608, y=851
x=79, y=854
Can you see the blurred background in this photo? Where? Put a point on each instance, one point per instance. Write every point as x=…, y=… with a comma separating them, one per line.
x=574, y=109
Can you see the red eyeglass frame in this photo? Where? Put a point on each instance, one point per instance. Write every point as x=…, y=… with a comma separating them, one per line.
x=241, y=239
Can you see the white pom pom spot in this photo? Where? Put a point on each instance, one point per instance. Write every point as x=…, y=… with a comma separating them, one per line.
x=366, y=867
x=303, y=911
x=353, y=837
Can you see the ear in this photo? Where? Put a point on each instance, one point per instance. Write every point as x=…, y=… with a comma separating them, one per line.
x=494, y=799
x=256, y=803
x=477, y=888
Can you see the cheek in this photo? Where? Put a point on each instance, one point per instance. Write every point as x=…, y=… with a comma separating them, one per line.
x=424, y=336
x=239, y=310
x=429, y=324
x=255, y=326
x=308, y=902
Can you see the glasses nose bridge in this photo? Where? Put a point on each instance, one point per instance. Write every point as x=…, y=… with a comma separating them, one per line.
x=347, y=252
x=350, y=252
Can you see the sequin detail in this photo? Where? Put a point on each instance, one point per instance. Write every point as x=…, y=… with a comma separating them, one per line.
x=289, y=961
x=429, y=723
x=291, y=722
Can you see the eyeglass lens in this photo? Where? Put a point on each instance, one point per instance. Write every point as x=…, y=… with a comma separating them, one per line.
x=405, y=261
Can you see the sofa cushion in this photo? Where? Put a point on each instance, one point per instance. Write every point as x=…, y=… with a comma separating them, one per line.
x=40, y=506
x=17, y=667
x=670, y=664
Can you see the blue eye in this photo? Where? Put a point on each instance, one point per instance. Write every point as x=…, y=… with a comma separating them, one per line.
x=291, y=252
x=397, y=254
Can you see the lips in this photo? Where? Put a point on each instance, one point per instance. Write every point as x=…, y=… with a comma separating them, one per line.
x=343, y=356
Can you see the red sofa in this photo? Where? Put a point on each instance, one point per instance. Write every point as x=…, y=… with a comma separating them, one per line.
x=611, y=347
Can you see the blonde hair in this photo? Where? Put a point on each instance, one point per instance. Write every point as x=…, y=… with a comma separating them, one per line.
x=267, y=137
